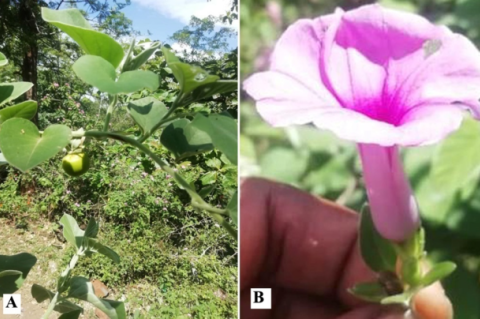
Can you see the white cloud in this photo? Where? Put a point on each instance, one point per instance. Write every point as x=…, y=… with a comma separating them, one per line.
x=183, y=10
x=184, y=50
x=180, y=48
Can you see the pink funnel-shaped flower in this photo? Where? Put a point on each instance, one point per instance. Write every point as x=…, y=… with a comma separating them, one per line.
x=373, y=76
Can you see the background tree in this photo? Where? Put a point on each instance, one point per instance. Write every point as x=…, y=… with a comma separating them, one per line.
x=203, y=38
x=23, y=34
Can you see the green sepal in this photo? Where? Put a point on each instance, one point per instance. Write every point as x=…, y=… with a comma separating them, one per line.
x=411, y=271
x=414, y=246
x=369, y=291
x=438, y=272
x=377, y=252
x=397, y=299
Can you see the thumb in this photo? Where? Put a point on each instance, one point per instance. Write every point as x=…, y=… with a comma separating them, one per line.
x=431, y=303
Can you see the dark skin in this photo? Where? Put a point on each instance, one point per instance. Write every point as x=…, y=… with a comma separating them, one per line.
x=306, y=250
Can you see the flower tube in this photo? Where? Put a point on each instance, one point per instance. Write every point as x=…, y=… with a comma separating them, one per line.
x=381, y=78
x=396, y=213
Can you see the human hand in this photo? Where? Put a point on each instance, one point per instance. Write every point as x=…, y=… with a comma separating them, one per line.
x=306, y=250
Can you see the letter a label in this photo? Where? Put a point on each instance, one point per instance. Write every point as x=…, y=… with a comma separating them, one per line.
x=12, y=304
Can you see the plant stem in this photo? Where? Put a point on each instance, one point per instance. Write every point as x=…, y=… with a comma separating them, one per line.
x=51, y=306
x=174, y=105
x=66, y=273
x=197, y=200
x=211, y=209
x=61, y=282
x=109, y=113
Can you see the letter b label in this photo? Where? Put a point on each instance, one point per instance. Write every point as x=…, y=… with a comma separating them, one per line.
x=260, y=298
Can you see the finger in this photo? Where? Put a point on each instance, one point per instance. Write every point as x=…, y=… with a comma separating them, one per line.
x=374, y=312
x=287, y=305
x=431, y=303
x=296, y=241
x=355, y=272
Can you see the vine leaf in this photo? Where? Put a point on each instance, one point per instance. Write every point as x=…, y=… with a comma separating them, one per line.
x=81, y=288
x=24, y=147
x=100, y=73
x=20, y=264
x=147, y=113
x=72, y=22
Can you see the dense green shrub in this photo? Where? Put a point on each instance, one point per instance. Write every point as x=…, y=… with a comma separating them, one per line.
x=146, y=218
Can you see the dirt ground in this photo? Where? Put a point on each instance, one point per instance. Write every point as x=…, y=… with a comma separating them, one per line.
x=40, y=241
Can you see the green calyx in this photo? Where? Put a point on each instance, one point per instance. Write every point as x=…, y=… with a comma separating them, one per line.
x=400, y=267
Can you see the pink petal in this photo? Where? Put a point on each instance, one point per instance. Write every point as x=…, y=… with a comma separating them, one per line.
x=429, y=124
x=283, y=100
x=354, y=126
x=452, y=74
x=368, y=54
x=421, y=126
x=297, y=54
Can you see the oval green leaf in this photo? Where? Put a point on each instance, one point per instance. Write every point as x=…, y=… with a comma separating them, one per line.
x=72, y=315
x=183, y=139
x=94, y=246
x=191, y=77
x=188, y=76
x=81, y=288
x=10, y=273
x=72, y=22
x=147, y=113
x=101, y=74
x=222, y=130
x=10, y=91
x=140, y=59
x=457, y=162
x=22, y=263
x=210, y=89
x=92, y=228
x=24, y=147
x=41, y=293
x=72, y=233
x=24, y=110
x=169, y=56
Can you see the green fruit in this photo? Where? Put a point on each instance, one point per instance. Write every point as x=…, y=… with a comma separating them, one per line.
x=76, y=164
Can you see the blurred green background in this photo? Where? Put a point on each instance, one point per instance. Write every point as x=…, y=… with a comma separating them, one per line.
x=445, y=177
